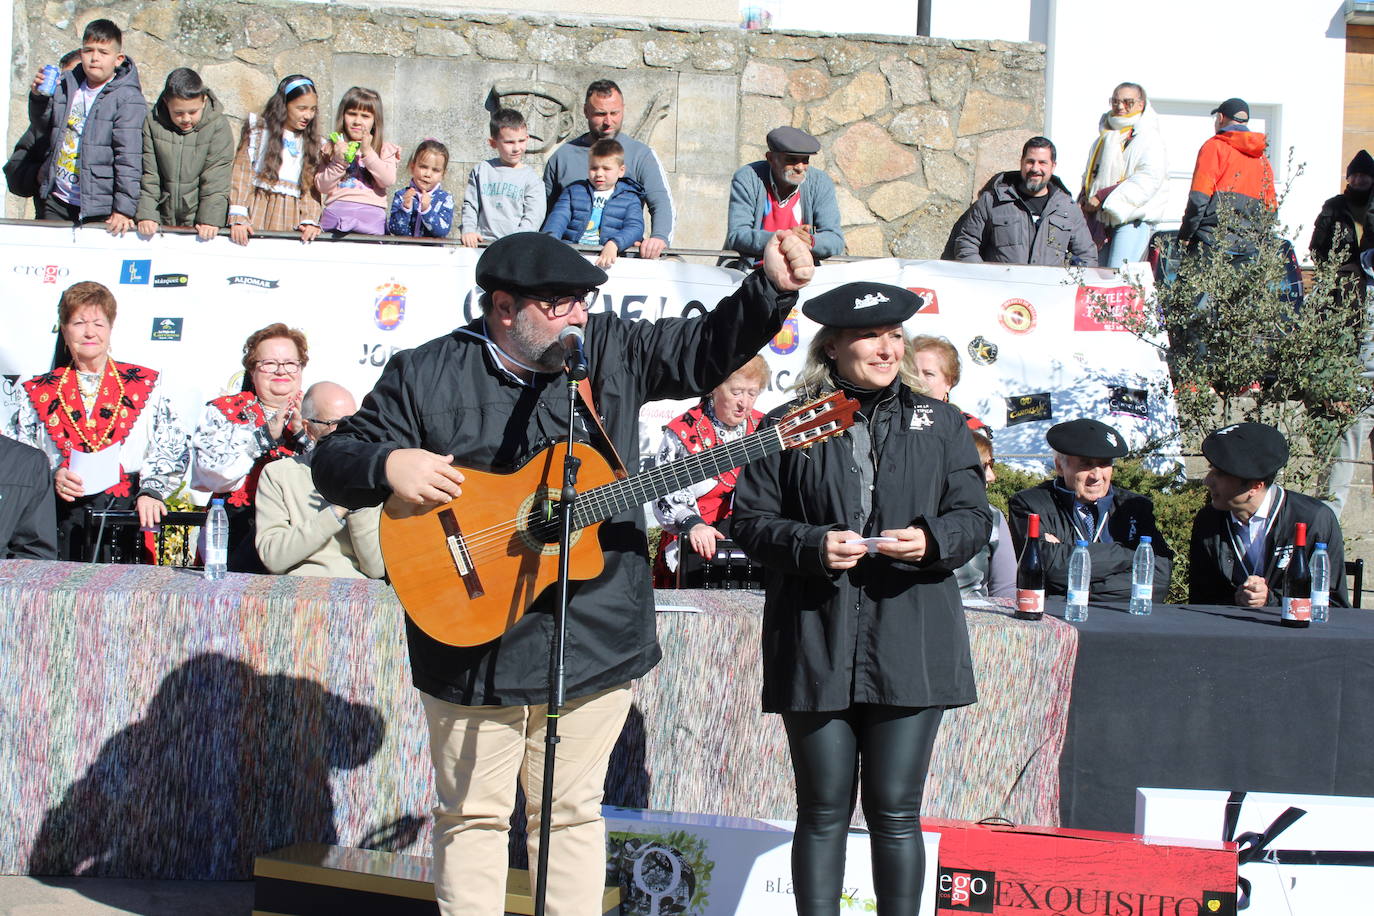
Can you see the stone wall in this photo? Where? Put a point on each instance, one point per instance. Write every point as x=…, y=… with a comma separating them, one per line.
x=910, y=128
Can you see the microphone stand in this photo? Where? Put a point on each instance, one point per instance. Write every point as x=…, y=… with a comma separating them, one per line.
x=577, y=370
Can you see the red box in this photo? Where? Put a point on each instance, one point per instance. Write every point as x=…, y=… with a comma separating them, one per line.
x=1015, y=870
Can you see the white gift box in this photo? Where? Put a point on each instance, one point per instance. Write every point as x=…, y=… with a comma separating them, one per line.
x=713, y=865
x=1301, y=854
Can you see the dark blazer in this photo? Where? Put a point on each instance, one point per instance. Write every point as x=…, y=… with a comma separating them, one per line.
x=28, y=512
x=1215, y=572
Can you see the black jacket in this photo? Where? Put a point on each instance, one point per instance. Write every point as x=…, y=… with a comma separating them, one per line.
x=1334, y=235
x=447, y=396
x=885, y=631
x=1215, y=571
x=1131, y=516
x=28, y=517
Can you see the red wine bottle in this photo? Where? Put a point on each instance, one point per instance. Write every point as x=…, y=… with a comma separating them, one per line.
x=1030, y=575
x=1297, y=584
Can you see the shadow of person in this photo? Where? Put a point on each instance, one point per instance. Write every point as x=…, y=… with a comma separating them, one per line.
x=226, y=764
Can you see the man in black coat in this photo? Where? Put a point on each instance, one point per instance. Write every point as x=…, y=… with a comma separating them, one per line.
x=1242, y=541
x=1081, y=502
x=1341, y=228
x=28, y=515
x=492, y=396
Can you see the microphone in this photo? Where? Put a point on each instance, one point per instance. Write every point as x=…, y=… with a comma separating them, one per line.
x=575, y=360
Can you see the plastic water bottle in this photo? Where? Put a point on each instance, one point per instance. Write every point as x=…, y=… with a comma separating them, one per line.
x=1321, y=584
x=1080, y=574
x=216, y=541
x=1143, y=578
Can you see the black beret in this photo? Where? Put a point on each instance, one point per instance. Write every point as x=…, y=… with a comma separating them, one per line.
x=791, y=140
x=1250, y=451
x=533, y=261
x=1086, y=439
x=863, y=305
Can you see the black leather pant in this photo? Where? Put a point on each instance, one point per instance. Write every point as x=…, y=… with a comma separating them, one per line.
x=894, y=745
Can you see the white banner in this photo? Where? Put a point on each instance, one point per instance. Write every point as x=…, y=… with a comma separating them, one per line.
x=1032, y=356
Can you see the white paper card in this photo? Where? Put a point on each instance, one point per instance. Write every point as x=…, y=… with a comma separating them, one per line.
x=98, y=470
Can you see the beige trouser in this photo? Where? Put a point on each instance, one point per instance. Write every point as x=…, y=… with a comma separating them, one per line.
x=478, y=753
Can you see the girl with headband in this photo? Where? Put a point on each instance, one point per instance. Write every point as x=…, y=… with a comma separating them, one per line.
x=273, y=183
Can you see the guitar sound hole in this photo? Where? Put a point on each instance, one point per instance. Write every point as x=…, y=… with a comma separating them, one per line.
x=543, y=523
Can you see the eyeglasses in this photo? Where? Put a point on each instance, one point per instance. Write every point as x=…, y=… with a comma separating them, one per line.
x=562, y=305
x=284, y=366
x=324, y=422
x=1124, y=103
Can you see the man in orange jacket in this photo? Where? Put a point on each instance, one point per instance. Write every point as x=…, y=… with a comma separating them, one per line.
x=1232, y=171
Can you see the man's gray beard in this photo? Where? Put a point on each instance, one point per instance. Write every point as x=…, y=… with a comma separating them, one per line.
x=1032, y=188
x=529, y=349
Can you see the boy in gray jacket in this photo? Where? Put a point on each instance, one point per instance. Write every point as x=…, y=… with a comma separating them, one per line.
x=503, y=195
x=94, y=126
x=188, y=153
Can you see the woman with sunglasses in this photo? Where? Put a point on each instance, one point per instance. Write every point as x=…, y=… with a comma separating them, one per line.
x=241, y=433
x=1125, y=186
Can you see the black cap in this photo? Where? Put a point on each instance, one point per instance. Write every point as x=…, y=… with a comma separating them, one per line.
x=791, y=140
x=1250, y=451
x=1086, y=439
x=1235, y=109
x=533, y=261
x=1362, y=164
x=863, y=305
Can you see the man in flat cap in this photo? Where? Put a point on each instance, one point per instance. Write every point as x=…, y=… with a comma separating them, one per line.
x=1232, y=171
x=1025, y=216
x=782, y=191
x=604, y=109
x=1081, y=502
x=1242, y=541
x=492, y=395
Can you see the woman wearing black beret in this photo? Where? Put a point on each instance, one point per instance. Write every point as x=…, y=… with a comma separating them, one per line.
x=864, y=642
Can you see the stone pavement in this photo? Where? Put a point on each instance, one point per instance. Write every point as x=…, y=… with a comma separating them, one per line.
x=25, y=896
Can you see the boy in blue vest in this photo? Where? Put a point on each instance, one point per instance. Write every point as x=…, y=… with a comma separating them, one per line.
x=606, y=209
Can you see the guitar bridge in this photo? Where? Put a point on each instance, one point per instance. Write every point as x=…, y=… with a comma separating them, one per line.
x=462, y=559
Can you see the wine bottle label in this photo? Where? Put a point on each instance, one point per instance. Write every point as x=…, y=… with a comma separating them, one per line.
x=1077, y=596
x=1030, y=600
x=1141, y=592
x=1297, y=608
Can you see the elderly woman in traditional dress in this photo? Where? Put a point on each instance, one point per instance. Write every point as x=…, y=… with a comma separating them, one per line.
x=239, y=434
x=701, y=513
x=90, y=403
x=864, y=642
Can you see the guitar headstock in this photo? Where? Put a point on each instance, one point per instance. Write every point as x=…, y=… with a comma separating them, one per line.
x=818, y=420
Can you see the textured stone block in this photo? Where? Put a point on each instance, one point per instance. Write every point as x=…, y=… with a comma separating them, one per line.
x=617, y=53
x=707, y=112
x=807, y=84
x=861, y=97
x=763, y=79
x=866, y=155
x=440, y=40
x=897, y=198
x=983, y=112
x=924, y=125
x=493, y=44
x=907, y=81
x=715, y=54
x=665, y=52
x=550, y=45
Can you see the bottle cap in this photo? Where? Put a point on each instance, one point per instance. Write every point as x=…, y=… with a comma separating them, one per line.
x=1300, y=534
x=1080, y=543
x=1145, y=539
x=1032, y=526
x=1321, y=545
x=217, y=501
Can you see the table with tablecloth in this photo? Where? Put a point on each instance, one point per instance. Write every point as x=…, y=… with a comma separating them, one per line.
x=1215, y=698
x=156, y=724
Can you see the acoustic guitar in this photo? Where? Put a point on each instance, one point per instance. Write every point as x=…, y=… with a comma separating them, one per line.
x=467, y=571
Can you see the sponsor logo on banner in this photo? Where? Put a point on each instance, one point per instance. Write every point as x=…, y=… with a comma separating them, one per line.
x=965, y=890
x=259, y=282
x=930, y=303
x=1219, y=903
x=656, y=875
x=390, y=305
x=50, y=273
x=982, y=351
x=1134, y=402
x=163, y=281
x=1101, y=308
x=1018, y=316
x=135, y=273
x=789, y=338
x=1027, y=408
x=166, y=329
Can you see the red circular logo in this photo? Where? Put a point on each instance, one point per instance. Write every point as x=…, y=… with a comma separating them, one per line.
x=1018, y=316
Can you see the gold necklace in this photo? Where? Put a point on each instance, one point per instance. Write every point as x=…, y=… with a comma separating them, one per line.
x=104, y=439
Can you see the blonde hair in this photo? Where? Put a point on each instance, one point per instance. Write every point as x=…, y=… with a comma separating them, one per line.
x=949, y=357
x=814, y=378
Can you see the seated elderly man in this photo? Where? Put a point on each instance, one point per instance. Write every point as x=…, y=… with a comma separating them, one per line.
x=1081, y=502
x=782, y=191
x=1242, y=541
x=299, y=532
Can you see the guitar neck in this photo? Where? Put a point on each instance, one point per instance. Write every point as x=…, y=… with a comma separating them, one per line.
x=600, y=503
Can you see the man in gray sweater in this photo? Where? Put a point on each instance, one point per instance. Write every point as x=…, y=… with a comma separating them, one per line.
x=605, y=112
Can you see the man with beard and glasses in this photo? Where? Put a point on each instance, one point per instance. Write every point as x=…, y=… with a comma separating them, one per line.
x=782, y=191
x=492, y=395
x=605, y=112
x=1025, y=217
